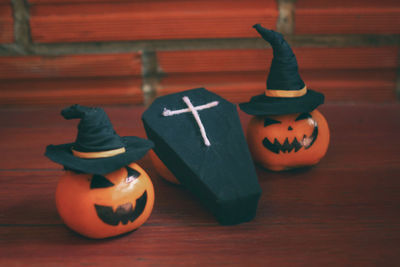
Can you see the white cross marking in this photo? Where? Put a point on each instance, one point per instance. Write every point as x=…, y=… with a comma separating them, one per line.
x=193, y=110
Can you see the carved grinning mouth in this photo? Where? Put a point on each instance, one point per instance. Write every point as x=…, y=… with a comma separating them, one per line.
x=124, y=213
x=296, y=145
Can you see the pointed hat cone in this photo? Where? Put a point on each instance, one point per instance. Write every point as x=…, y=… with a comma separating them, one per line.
x=286, y=92
x=98, y=149
x=95, y=131
x=283, y=73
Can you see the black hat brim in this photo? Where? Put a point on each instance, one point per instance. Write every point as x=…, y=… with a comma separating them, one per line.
x=135, y=147
x=261, y=105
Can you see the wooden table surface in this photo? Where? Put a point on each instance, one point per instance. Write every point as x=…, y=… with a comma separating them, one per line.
x=345, y=211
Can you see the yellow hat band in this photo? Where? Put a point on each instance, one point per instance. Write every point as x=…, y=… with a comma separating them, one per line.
x=98, y=154
x=286, y=93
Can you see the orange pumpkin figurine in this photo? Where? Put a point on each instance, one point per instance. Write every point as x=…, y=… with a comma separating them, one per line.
x=103, y=193
x=286, y=131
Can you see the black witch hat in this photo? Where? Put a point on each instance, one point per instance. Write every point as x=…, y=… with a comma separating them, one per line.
x=286, y=92
x=98, y=149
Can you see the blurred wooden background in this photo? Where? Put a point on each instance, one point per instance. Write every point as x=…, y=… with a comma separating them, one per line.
x=130, y=51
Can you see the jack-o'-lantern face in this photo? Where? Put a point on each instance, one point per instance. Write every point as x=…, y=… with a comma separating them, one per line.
x=287, y=141
x=100, y=206
x=303, y=137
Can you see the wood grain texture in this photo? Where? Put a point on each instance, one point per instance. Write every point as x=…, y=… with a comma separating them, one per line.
x=234, y=86
x=149, y=20
x=6, y=23
x=63, y=91
x=347, y=17
x=85, y=79
x=337, y=85
x=343, y=74
x=256, y=60
x=214, y=60
x=97, y=65
x=342, y=212
x=74, y=1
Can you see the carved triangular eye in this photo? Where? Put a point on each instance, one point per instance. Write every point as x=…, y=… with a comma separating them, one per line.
x=269, y=121
x=99, y=181
x=132, y=174
x=303, y=116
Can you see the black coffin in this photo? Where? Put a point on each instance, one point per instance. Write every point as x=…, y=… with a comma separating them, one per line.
x=220, y=171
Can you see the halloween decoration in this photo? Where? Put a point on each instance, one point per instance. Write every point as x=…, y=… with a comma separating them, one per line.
x=287, y=131
x=161, y=169
x=100, y=206
x=280, y=142
x=103, y=192
x=199, y=138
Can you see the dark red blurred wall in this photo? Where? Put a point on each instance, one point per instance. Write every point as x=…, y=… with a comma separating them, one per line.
x=129, y=51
